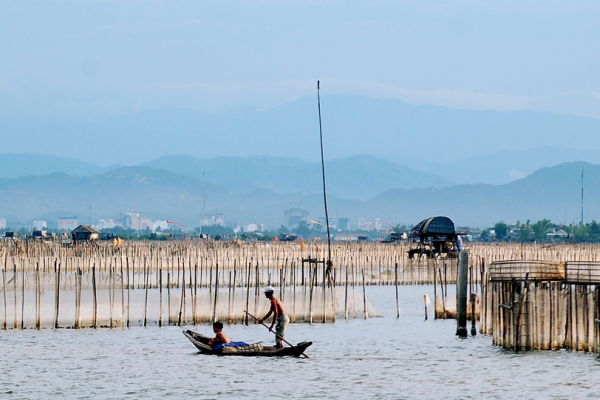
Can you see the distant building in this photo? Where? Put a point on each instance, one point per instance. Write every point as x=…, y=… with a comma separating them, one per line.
x=252, y=227
x=132, y=220
x=67, y=223
x=344, y=224
x=216, y=218
x=85, y=232
x=108, y=224
x=347, y=236
x=2, y=223
x=294, y=216
x=39, y=225
x=145, y=223
x=369, y=224
x=163, y=225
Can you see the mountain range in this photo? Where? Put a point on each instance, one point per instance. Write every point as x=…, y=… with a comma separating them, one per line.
x=418, y=136
x=552, y=192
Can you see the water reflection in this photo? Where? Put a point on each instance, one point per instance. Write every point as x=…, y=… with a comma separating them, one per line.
x=379, y=357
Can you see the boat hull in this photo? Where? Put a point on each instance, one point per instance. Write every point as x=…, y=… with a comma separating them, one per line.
x=253, y=350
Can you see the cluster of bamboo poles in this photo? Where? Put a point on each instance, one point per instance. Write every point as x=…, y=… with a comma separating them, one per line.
x=46, y=284
x=538, y=313
x=542, y=315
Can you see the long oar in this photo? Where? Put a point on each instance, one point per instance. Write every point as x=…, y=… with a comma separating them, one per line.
x=276, y=334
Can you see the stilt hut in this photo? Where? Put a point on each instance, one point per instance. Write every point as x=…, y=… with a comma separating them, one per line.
x=84, y=233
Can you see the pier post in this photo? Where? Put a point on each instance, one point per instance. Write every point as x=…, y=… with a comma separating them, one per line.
x=461, y=297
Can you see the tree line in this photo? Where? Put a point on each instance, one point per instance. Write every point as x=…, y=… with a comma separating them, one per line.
x=538, y=232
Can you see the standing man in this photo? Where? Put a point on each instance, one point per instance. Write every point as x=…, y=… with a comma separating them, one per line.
x=278, y=316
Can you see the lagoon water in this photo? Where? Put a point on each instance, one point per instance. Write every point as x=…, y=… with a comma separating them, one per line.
x=375, y=358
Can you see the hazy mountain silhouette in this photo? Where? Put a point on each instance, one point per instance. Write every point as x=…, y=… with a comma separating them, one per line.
x=413, y=135
x=357, y=177
x=547, y=193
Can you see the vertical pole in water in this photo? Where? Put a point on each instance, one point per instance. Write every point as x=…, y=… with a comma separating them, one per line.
x=147, y=274
x=57, y=297
x=160, y=306
x=473, y=316
x=248, y=293
x=4, y=291
x=168, y=296
x=324, y=291
x=397, y=301
x=364, y=295
x=23, y=297
x=127, y=292
x=196, y=293
x=461, y=298
x=38, y=295
x=94, y=321
x=16, y=323
x=122, y=293
x=216, y=292
x=75, y=324
x=346, y=295
x=182, y=304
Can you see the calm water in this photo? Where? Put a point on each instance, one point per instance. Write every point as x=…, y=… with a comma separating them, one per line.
x=375, y=358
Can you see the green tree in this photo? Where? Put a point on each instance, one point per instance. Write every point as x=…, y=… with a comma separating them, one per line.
x=525, y=232
x=541, y=228
x=501, y=230
x=485, y=234
x=303, y=230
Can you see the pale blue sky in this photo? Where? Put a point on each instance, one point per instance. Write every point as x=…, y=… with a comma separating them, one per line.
x=100, y=58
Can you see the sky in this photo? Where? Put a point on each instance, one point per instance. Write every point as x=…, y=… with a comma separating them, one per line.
x=95, y=59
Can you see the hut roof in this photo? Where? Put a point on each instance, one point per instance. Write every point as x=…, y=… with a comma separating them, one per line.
x=435, y=225
x=85, y=228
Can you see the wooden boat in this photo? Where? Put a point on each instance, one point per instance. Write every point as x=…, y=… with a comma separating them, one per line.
x=252, y=350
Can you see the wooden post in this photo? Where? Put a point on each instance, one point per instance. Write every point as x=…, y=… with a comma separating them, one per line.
x=57, y=297
x=127, y=264
x=4, y=291
x=364, y=295
x=215, y=318
x=397, y=299
x=473, y=316
x=95, y=318
x=160, y=307
x=248, y=292
x=23, y=296
x=169, y=298
x=146, y=275
x=38, y=301
x=346, y=296
x=461, y=297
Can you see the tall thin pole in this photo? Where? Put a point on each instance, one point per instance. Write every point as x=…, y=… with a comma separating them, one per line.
x=324, y=190
x=581, y=196
x=203, y=205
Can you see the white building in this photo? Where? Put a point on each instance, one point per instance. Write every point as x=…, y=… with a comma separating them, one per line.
x=145, y=223
x=67, y=223
x=252, y=227
x=107, y=224
x=163, y=225
x=132, y=220
x=39, y=225
x=213, y=219
x=2, y=223
x=369, y=224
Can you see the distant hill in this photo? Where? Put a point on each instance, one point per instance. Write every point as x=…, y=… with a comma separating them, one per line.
x=13, y=165
x=547, y=193
x=358, y=177
x=507, y=166
x=412, y=135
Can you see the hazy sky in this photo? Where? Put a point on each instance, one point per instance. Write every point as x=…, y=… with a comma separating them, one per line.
x=98, y=58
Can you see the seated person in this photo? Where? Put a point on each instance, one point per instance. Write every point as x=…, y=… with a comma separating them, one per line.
x=220, y=337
